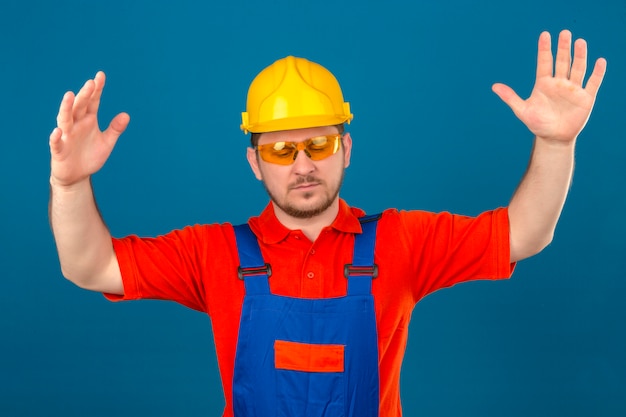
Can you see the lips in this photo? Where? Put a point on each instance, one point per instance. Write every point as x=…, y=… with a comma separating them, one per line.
x=305, y=186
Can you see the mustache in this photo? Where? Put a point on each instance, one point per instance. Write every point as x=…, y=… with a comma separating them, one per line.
x=307, y=179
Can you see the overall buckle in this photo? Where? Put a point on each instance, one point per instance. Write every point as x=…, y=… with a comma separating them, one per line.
x=255, y=270
x=350, y=269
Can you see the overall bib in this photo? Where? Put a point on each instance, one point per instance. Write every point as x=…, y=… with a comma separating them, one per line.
x=307, y=357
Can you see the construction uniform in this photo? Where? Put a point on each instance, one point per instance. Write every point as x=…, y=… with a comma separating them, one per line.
x=416, y=254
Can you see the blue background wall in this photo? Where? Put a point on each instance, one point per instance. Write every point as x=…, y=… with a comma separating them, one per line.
x=550, y=342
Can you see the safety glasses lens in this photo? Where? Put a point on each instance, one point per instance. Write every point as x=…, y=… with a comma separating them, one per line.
x=285, y=153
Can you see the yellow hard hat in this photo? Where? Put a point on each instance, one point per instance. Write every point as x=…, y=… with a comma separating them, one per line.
x=294, y=93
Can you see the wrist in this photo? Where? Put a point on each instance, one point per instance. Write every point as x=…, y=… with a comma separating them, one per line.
x=64, y=186
x=557, y=143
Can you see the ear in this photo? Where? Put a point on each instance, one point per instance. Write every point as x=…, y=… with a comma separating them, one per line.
x=347, y=149
x=253, y=160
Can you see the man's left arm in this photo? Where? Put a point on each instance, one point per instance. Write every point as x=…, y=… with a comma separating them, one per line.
x=556, y=112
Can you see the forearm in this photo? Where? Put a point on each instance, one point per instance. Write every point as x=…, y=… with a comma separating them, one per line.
x=83, y=241
x=538, y=201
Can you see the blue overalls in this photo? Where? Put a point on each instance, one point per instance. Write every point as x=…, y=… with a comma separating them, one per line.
x=307, y=357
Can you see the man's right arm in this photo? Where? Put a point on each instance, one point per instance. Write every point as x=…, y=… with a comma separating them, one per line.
x=79, y=149
x=82, y=238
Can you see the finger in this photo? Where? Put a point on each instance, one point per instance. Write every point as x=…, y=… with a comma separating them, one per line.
x=56, y=144
x=544, y=56
x=595, y=80
x=579, y=66
x=116, y=128
x=509, y=96
x=82, y=99
x=64, y=117
x=94, y=103
x=563, y=55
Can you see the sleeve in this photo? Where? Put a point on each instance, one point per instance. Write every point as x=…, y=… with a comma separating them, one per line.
x=448, y=249
x=169, y=267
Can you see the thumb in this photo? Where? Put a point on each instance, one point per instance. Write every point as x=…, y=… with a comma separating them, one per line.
x=509, y=96
x=56, y=143
x=117, y=127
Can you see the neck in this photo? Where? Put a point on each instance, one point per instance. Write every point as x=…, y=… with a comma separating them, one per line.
x=311, y=226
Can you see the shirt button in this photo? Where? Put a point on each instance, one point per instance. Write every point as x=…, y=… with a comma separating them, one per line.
x=312, y=251
x=310, y=275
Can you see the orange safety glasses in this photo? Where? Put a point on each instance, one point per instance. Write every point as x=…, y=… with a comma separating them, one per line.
x=285, y=153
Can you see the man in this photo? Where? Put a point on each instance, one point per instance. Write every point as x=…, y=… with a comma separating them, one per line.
x=310, y=301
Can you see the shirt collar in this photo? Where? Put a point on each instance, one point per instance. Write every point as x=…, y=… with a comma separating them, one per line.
x=271, y=230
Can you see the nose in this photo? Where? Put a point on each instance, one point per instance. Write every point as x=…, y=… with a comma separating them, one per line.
x=303, y=165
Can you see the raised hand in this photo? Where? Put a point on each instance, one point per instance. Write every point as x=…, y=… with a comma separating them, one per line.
x=77, y=145
x=559, y=105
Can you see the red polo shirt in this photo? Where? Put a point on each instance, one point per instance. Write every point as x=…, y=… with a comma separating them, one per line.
x=417, y=253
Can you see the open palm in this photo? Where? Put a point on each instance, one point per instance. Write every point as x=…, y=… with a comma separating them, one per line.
x=559, y=106
x=78, y=148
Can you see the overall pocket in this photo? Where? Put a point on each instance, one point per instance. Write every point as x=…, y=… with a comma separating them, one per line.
x=309, y=379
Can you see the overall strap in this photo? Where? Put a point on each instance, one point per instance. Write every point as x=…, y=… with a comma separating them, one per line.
x=255, y=272
x=252, y=270
x=363, y=269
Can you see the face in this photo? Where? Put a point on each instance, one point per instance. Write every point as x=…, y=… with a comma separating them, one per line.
x=305, y=188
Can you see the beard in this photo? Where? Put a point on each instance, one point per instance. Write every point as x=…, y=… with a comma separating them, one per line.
x=312, y=210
